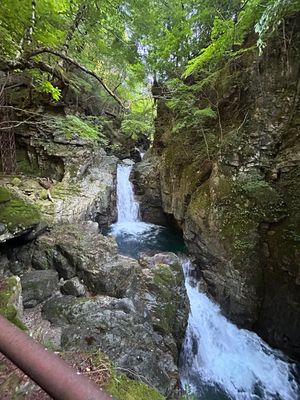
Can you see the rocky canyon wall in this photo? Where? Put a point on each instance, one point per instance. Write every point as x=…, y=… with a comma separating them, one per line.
x=233, y=186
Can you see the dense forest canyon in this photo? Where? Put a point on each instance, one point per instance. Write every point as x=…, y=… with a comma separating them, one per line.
x=150, y=194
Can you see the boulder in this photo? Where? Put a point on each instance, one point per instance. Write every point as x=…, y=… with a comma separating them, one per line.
x=80, y=250
x=165, y=295
x=37, y=286
x=18, y=216
x=73, y=287
x=145, y=178
x=122, y=330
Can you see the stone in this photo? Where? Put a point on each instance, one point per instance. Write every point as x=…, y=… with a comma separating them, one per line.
x=17, y=215
x=143, y=308
x=2, y=228
x=11, y=306
x=73, y=287
x=240, y=217
x=165, y=294
x=37, y=286
x=145, y=178
x=80, y=250
x=124, y=334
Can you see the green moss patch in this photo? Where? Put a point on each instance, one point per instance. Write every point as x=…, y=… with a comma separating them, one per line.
x=98, y=367
x=74, y=127
x=123, y=388
x=15, y=212
x=8, y=294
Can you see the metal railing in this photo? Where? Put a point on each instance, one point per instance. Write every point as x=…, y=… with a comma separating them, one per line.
x=49, y=371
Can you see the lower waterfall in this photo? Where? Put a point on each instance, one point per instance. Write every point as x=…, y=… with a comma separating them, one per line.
x=221, y=361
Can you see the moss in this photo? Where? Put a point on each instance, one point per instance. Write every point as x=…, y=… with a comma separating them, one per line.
x=15, y=212
x=165, y=277
x=5, y=195
x=8, y=309
x=123, y=388
x=75, y=127
x=63, y=191
x=119, y=385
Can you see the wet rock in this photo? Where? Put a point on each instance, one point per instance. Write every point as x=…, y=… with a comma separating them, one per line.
x=73, y=287
x=38, y=286
x=165, y=294
x=145, y=177
x=80, y=250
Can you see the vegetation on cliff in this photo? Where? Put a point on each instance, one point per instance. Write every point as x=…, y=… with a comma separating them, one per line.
x=119, y=47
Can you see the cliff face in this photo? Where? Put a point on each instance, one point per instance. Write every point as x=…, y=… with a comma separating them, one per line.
x=234, y=188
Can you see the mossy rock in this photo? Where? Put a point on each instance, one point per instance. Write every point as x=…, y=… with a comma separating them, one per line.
x=166, y=280
x=10, y=303
x=73, y=127
x=16, y=213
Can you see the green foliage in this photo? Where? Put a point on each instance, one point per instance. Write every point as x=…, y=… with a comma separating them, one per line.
x=47, y=87
x=273, y=15
x=225, y=36
x=185, y=105
x=75, y=127
x=140, y=119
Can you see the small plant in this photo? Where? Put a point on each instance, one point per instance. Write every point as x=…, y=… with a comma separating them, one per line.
x=47, y=87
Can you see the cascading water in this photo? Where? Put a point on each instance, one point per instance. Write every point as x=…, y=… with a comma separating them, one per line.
x=218, y=360
x=221, y=361
x=128, y=208
x=133, y=235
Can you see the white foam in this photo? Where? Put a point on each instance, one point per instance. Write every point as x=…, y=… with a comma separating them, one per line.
x=128, y=208
x=234, y=359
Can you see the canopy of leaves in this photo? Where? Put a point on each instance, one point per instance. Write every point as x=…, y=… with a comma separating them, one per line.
x=128, y=43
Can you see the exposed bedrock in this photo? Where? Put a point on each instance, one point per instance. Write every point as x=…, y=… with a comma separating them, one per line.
x=234, y=188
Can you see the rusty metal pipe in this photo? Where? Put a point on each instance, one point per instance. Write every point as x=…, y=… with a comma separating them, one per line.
x=49, y=371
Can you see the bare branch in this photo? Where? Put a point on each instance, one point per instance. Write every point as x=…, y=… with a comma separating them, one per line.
x=21, y=63
x=78, y=19
x=22, y=110
x=79, y=66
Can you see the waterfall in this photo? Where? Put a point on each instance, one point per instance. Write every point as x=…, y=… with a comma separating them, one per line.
x=221, y=361
x=127, y=206
x=132, y=235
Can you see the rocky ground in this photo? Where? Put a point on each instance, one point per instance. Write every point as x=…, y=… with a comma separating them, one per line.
x=78, y=294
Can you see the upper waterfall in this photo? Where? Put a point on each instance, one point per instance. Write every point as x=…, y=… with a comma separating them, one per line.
x=127, y=206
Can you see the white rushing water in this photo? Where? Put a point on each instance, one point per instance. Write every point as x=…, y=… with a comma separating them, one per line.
x=128, y=207
x=231, y=360
x=218, y=361
x=129, y=222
